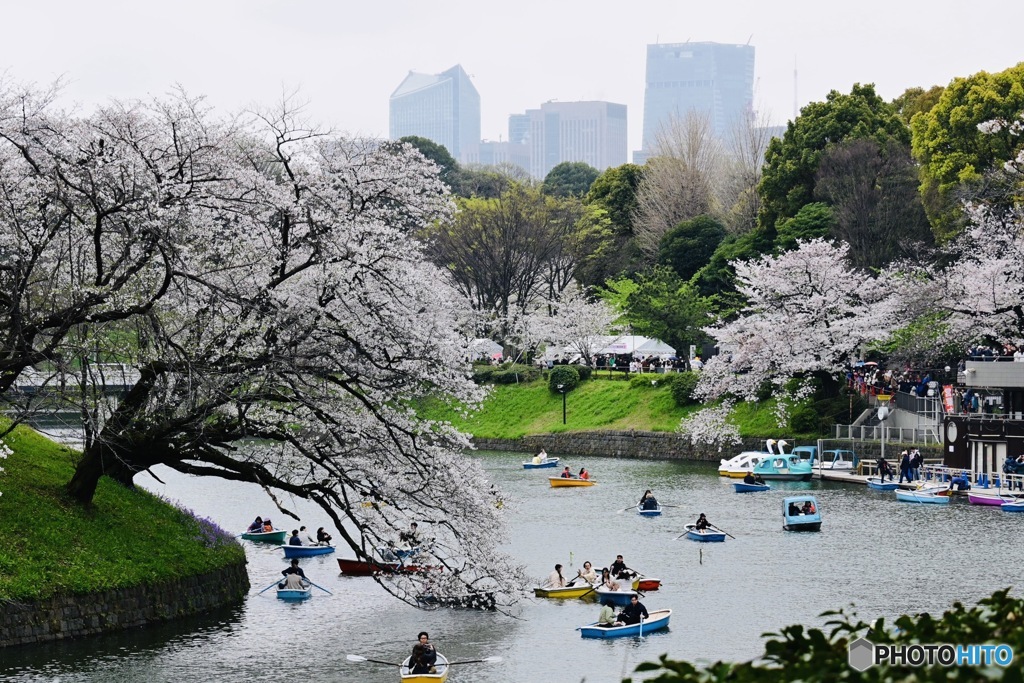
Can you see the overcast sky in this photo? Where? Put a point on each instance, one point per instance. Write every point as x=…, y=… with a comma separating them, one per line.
x=347, y=57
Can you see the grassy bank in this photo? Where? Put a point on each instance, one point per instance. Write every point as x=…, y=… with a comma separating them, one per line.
x=128, y=537
x=515, y=410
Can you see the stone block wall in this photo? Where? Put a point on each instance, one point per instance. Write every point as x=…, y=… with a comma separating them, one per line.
x=74, y=616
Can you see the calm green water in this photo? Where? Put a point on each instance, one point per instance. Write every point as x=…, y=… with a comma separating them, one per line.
x=887, y=558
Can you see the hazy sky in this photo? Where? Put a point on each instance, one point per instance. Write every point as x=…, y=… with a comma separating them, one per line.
x=347, y=57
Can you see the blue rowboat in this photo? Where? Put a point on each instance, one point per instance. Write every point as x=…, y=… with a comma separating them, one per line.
x=276, y=537
x=749, y=488
x=295, y=594
x=795, y=519
x=704, y=535
x=876, y=484
x=1016, y=506
x=658, y=621
x=546, y=462
x=922, y=497
x=619, y=597
x=654, y=512
x=307, y=550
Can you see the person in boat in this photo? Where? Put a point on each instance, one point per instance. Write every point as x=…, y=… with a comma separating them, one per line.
x=702, y=523
x=540, y=457
x=293, y=576
x=587, y=573
x=808, y=508
x=412, y=536
x=555, y=578
x=648, y=501
x=608, y=582
x=619, y=569
x=883, y=469
x=322, y=537
x=566, y=474
x=634, y=611
x=749, y=478
x=267, y=526
x=256, y=526
x=794, y=510
x=306, y=537
x=424, y=656
x=295, y=539
x=584, y=474
x=607, y=615
x=758, y=479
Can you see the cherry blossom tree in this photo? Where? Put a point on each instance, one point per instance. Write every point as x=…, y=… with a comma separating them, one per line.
x=807, y=315
x=579, y=321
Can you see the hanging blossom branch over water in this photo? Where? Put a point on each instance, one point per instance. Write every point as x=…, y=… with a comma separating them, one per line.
x=711, y=427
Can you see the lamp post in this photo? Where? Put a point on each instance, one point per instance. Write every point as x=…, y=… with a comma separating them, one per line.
x=883, y=412
x=561, y=390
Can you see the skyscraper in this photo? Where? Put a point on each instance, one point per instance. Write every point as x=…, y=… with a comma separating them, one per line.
x=714, y=78
x=591, y=132
x=442, y=107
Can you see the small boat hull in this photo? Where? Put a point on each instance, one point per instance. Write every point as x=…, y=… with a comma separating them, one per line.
x=307, y=550
x=793, y=519
x=658, y=621
x=361, y=568
x=654, y=512
x=547, y=462
x=440, y=677
x=619, y=597
x=988, y=499
x=564, y=591
x=704, y=535
x=646, y=583
x=295, y=594
x=1017, y=506
x=876, y=484
x=275, y=537
x=785, y=467
x=742, y=487
x=560, y=482
x=924, y=497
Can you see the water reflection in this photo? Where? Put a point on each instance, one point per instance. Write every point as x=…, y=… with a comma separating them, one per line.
x=887, y=557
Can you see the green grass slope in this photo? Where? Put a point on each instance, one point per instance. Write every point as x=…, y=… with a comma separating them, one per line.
x=128, y=537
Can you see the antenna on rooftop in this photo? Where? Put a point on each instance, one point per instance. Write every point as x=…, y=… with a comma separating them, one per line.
x=750, y=38
x=795, y=109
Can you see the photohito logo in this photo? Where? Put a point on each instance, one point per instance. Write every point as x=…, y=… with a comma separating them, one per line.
x=864, y=654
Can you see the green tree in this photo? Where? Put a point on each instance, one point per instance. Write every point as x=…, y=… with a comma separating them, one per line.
x=569, y=179
x=689, y=246
x=668, y=308
x=955, y=155
x=916, y=100
x=810, y=222
x=791, y=162
x=613, y=195
x=440, y=155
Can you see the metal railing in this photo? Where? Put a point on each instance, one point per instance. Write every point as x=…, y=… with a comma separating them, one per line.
x=911, y=435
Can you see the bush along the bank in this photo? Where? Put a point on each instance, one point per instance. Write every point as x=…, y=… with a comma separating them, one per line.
x=813, y=655
x=566, y=376
x=682, y=386
x=506, y=373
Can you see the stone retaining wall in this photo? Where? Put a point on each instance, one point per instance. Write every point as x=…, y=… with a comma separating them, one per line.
x=73, y=616
x=664, y=446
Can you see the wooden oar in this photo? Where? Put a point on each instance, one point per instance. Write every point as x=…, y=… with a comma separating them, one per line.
x=619, y=512
x=488, y=660
x=722, y=530
x=276, y=581
x=320, y=587
x=357, y=658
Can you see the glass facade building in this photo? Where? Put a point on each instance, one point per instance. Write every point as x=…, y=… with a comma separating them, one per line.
x=591, y=132
x=442, y=107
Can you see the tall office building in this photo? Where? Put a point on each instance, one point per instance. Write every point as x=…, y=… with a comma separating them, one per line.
x=714, y=78
x=591, y=132
x=442, y=107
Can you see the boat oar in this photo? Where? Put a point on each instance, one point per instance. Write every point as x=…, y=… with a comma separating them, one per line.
x=488, y=660
x=320, y=587
x=357, y=658
x=276, y=581
x=619, y=512
x=723, y=531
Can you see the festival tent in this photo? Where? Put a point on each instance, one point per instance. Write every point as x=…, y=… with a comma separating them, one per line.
x=485, y=348
x=623, y=344
x=655, y=347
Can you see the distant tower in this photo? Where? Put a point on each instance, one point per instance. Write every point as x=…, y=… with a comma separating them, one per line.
x=796, y=107
x=592, y=132
x=442, y=107
x=715, y=78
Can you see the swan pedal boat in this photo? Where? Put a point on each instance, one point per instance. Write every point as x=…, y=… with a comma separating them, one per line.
x=709, y=535
x=657, y=621
x=785, y=467
x=737, y=466
x=306, y=550
x=441, y=665
x=653, y=512
x=276, y=537
x=576, y=591
x=546, y=462
x=557, y=482
x=744, y=487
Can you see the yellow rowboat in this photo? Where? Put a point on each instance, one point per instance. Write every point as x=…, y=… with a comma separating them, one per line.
x=565, y=481
x=441, y=666
x=564, y=591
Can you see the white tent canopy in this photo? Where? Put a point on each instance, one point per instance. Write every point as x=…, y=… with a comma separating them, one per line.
x=656, y=347
x=484, y=348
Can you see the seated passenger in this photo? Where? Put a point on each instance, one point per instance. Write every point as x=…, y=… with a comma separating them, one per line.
x=808, y=508
x=256, y=526
x=793, y=510
x=702, y=522
x=749, y=478
x=295, y=540
x=267, y=526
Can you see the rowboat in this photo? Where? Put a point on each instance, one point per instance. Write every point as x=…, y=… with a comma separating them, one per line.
x=619, y=597
x=361, y=568
x=704, y=535
x=742, y=487
x=658, y=621
x=557, y=482
x=295, y=594
x=929, y=497
x=577, y=591
x=276, y=537
x=646, y=583
x=441, y=666
x=653, y=512
x=978, y=498
x=876, y=484
x=1016, y=506
x=400, y=554
x=546, y=462
x=795, y=519
x=307, y=550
